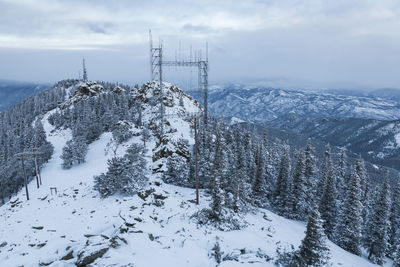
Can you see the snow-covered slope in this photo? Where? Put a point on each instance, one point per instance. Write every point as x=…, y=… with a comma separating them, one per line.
x=153, y=228
x=160, y=230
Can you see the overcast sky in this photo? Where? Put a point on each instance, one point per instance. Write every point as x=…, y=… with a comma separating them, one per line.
x=309, y=43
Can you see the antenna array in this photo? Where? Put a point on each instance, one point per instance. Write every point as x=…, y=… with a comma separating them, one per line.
x=157, y=63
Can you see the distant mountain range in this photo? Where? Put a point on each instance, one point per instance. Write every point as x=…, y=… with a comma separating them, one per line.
x=366, y=123
x=260, y=105
x=12, y=92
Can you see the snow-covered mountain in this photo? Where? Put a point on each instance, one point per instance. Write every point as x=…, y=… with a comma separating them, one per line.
x=261, y=105
x=375, y=140
x=76, y=227
x=366, y=125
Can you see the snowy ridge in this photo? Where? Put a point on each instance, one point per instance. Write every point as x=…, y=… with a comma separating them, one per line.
x=153, y=228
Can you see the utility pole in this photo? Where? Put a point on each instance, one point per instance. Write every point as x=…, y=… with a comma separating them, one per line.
x=195, y=117
x=35, y=153
x=196, y=160
x=21, y=156
x=196, y=157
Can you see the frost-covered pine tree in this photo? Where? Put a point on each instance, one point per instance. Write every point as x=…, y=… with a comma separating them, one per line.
x=135, y=172
x=259, y=188
x=67, y=155
x=40, y=142
x=125, y=175
x=218, y=174
x=328, y=204
x=395, y=220
x=282, y=188
x=239, y=186
x=310, y=171
x=313, y=250
x=177, y=170
x=341, y=170
x=349, y=226
x=79, y=149
x=108, y=184
x=204, y=149
x=74, y=151
x=297, y=202
x=326, y=170
x=379, y=226
x=122, y=132
x=362, y=173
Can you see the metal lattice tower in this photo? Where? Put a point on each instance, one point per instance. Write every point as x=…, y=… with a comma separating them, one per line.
x=156, y=76
x=157, y=63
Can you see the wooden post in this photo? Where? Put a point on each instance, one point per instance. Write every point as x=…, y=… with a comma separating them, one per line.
x=38, y=177
x=196, y=160
x=25, y=178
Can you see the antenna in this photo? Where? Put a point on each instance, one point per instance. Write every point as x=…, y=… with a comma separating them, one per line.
x=157, y=63
x=151, y=55
x=85, y=77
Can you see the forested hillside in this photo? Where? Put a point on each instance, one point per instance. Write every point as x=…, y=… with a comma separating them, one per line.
x=103, y=143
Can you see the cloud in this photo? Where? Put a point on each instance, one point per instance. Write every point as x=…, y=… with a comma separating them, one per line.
x=188, y=27
x=320, y=40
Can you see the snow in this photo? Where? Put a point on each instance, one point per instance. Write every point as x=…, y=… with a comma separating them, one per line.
x=397, y=138
x=162, y=235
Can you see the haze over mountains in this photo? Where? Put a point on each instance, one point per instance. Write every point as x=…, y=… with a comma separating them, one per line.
x=12, y=92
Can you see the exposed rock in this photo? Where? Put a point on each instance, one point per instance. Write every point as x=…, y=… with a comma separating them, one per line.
x=68, y=256
x=86, y=257
x=145, y=194
x=159, y=196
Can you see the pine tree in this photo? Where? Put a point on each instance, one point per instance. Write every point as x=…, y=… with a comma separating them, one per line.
x=379, y=226
x=67, y=155
x=108, y=184
x=313, y=250
x=310, y=171
x=125, y=175
x=80, y=149
x=395, y=221
x=326, y=171
x=349, y=226
x=328, y=204
x=282, y=189
x=177, y=170
x=259, y=188
x=362, y=173
x=134, y=178
x=218, y=174
x=239, y=185
x=297, y=201
x=341, y=175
